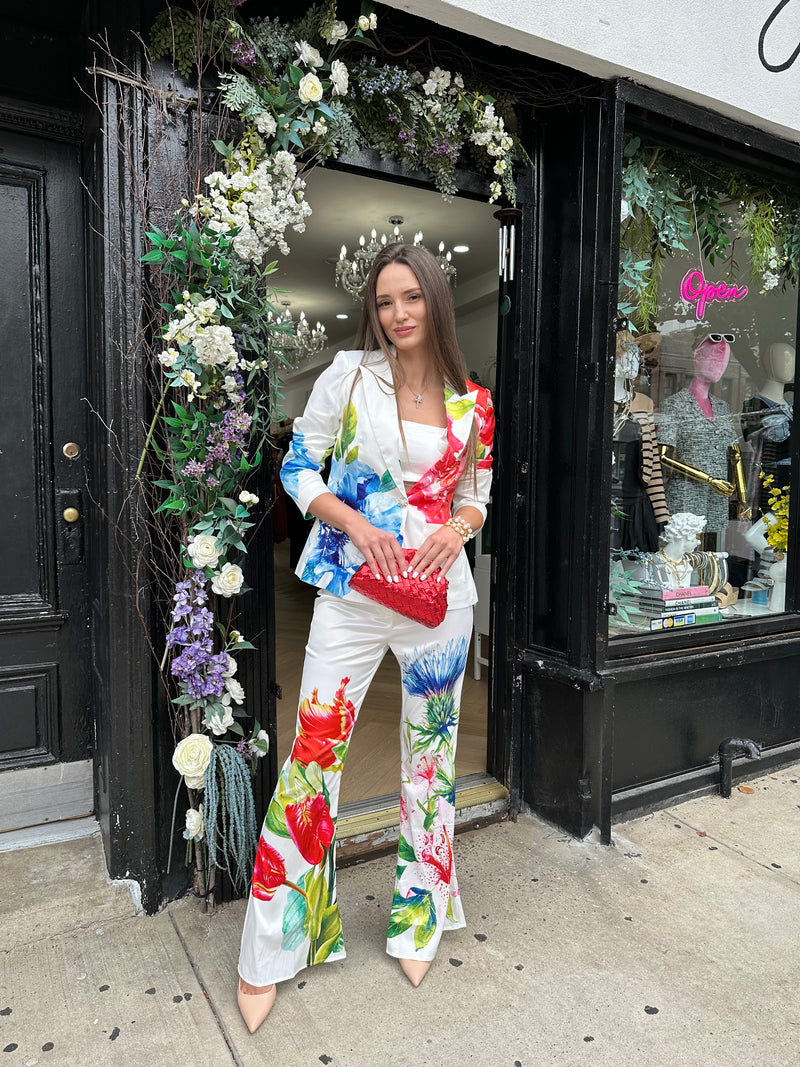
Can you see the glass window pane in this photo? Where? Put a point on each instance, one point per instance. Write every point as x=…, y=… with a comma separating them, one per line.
x=703, y=395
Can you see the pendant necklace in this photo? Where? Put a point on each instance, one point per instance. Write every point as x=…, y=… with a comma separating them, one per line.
x=417, y=396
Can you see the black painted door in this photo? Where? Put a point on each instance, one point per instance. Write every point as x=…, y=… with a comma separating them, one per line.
x=44, y=639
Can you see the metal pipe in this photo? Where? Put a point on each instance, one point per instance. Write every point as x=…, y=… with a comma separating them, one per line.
x=728, y=749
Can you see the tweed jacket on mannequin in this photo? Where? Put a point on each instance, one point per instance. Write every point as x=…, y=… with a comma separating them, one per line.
x=351, y=415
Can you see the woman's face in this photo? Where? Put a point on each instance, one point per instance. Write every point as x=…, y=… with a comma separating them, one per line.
x=401, y=307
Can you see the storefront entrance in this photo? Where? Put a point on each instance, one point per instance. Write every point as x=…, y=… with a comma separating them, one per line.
x=347, y=204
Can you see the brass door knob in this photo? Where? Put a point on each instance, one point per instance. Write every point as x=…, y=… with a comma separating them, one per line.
x=71, y=515
x=71, y=449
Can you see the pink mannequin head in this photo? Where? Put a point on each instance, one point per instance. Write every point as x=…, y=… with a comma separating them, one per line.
x=710, y=360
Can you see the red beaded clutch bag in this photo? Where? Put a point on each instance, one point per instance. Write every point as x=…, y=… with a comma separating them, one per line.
x=424, y=602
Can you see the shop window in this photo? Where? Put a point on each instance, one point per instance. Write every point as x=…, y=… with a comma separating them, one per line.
x=703, y=394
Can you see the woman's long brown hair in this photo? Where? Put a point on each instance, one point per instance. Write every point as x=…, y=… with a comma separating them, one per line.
x=448, y=362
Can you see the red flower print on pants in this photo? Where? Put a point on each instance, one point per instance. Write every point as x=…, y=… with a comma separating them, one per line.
x=269, y=871
x=435, y=853
x=322, y=727
x=311, y=827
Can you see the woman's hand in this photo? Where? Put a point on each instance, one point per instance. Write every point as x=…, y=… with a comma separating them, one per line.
x=380, y=549
x=437, y=553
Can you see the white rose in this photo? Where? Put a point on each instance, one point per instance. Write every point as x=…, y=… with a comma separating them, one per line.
x=235, y=690
x=363, y=23
x=308, y=55
x=340, y=77
x=191, y=757
x=220, y=726
x=232, y=667
x=338, y=32
x=228, y=581
x=266, y=124
x=203, y=551
x=310, y=89
x=169, y=358
x=246, y=497
x=195, y=828
x=259, y=745
x=373, y=21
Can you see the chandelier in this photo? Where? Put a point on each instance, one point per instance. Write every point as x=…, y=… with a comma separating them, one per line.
x=352, y=273
x=296, y=340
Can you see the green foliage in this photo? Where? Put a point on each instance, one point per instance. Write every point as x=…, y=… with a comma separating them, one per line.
x=176, y=35
x=674, y=199
x=621, y=585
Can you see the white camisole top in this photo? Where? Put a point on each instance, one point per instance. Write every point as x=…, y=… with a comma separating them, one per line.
x=424, y=446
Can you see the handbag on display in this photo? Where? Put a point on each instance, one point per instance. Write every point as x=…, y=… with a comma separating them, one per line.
x=424, y=602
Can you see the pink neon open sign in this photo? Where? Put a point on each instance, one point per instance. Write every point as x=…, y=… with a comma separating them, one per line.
x=696, y=290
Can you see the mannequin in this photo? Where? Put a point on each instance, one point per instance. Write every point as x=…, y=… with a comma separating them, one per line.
x=698, y=438
x=637, y=482
x=767, y=425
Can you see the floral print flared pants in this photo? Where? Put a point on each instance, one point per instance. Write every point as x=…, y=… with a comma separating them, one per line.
x=292, y=918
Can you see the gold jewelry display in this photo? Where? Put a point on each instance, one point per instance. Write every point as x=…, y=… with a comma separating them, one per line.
x=461, y=527
x=674, y=564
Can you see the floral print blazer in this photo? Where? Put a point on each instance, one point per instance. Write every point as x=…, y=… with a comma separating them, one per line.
x=351, y=416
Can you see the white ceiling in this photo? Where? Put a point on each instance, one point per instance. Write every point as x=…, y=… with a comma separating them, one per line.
x=345, y=205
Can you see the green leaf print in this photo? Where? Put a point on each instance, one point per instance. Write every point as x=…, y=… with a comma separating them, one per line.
x=315, y=887
x=348, y=432
x=294, y=920
x=330, y=935
x=352, y=455
x=275, y=821
x=387, y=483
x=297, y=784
x=405, y=851
x=417, y=910
x=457, y=409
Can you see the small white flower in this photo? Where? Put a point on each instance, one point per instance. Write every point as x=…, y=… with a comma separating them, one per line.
x=320, y=128
x=235, y=690
x=500, y=166
x=338, y=32
x=169, y=357
x=266, y=124
x=340, y=77
x=307, y=54
x=495, y=189
x=191, y=757
x=246, y=497
x=363, y=23
x=187, y=378
x=373, y=21
x=228, y=581
x=220, y=726
x=230, y=385
x=214, y=346
x=236, y=637
x=195, y=827
x=202, y=550
x=310, y=89
x=259, y=745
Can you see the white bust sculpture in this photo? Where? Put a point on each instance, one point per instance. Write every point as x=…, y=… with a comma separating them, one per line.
x=681, y=536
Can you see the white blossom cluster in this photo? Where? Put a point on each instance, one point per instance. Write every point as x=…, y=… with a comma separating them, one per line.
x=490, y=133
x=771, y=274
x=213, y=344
x=260, y=203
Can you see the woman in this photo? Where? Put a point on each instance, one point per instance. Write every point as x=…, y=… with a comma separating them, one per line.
x=410, y=440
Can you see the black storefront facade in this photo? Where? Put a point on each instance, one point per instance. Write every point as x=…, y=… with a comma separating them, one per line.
x=583, y=729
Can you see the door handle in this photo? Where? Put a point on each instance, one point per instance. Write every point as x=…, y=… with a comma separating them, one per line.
x=71, y=515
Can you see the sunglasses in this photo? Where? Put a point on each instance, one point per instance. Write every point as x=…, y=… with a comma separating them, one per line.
x=717, y=337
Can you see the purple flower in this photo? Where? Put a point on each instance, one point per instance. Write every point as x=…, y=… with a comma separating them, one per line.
x=193, y=469
x=243, y=53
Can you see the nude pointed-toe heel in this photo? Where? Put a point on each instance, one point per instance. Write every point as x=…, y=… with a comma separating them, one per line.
x=255, y=1006
x=415, y=970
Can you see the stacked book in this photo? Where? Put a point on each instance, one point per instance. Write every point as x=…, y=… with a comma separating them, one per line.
x=655, y=608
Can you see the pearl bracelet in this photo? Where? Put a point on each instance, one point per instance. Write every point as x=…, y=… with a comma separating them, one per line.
x=461, y=527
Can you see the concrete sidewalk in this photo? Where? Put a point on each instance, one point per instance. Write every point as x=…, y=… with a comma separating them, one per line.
x=678, y=947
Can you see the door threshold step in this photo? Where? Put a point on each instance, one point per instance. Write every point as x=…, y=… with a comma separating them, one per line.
x=50, y=833
x=371, y=828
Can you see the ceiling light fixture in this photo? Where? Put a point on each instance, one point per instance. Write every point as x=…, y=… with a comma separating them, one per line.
x=297, y=341
x=341, y=315
x=352, y=272
x=460, y=248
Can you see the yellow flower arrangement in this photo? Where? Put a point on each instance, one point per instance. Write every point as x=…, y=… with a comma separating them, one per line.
x=777, y=526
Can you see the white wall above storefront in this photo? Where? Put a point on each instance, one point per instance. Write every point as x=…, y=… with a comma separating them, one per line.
x=705, y=53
